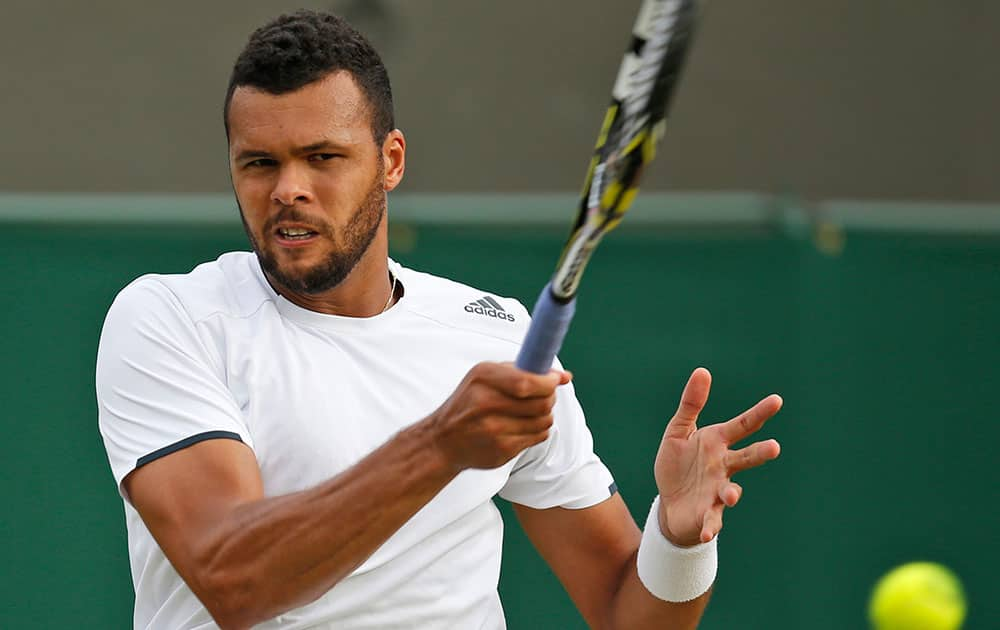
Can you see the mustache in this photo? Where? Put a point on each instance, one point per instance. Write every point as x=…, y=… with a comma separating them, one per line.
x=292, y=214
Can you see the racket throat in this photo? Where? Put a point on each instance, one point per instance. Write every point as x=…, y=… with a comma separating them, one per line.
x=566, y=280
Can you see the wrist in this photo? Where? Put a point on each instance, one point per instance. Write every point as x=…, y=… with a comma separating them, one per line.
x=429, y=437
x=670, y=572
x=667, y=533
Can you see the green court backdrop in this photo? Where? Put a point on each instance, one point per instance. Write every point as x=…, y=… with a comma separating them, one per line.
x=879, y=326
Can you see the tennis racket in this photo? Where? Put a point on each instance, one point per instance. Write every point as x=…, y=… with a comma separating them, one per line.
x=633, y=125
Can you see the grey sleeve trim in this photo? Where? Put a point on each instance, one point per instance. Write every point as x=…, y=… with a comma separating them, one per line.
x=186, y=442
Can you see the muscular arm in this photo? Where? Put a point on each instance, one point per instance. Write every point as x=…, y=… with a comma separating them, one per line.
x=249, y=558
x=596, y=565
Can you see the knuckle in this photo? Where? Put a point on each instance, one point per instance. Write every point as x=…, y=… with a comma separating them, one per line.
x=497, y=429
x=487, y=426
x=522, y=387
x=482, y=371
x=484, y=400
x=475, y=397
x=539, y=408
x=744, y=421
x=475, y=373
x=689, y=408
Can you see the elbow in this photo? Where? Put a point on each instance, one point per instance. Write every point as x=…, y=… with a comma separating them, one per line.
x=229, y=597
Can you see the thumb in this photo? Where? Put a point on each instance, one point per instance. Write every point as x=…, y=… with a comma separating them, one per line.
x=565, y=376
x=693, y=400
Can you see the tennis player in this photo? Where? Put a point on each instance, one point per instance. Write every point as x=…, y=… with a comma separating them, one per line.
x=311, y=435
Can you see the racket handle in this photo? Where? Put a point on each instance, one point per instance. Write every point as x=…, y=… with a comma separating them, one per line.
x=549, y=322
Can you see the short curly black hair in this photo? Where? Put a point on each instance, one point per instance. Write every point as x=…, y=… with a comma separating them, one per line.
x=296, y=49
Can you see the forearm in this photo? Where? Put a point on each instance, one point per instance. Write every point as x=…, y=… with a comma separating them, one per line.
x=276, y=554
x=635, y=608
x=664, y=584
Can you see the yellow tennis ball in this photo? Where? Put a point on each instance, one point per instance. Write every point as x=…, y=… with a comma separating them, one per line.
x=917, y=596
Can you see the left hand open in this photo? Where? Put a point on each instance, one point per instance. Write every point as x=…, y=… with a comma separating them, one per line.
x=694, y=466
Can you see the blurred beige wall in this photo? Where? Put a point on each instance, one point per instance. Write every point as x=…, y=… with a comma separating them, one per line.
x=825, y=98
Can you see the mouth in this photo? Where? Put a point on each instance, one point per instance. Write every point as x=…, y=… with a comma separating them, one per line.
x=294, y=236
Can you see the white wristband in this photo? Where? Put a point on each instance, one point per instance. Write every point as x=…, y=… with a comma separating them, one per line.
x=672, y=573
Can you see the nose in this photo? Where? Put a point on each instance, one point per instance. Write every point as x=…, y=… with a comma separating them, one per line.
x=292, y=186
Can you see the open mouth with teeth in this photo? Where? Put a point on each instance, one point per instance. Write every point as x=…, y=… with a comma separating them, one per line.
x=295, y=234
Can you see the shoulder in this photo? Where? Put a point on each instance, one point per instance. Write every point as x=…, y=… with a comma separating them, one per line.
x=229, y=285
x=457, y=305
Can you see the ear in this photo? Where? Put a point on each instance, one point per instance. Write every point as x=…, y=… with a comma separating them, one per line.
x=394, y=158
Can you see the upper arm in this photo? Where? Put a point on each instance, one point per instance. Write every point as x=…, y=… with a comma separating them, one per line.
x=589, y=550
x=185, y=497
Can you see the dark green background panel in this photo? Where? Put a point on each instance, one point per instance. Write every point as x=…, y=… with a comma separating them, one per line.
x=885, y=354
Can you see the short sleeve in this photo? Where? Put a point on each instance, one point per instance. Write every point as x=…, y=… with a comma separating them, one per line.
x=158, y=390
x=562, y=471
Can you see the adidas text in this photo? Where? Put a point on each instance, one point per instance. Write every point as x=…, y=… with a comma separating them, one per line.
x=486, y=305
x=479, y=310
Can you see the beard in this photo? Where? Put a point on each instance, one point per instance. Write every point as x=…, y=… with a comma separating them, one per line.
x=356, y=238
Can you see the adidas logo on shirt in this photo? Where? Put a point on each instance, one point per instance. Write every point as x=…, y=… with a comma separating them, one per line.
x=489, y=307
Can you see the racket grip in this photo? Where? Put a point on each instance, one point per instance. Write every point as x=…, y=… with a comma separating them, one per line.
x=549, y=323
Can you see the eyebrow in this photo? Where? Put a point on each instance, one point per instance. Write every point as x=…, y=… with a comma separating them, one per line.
x=253, y=154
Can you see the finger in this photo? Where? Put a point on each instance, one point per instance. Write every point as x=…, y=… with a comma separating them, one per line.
x=711, y=524
x=751, y=420
x=565, y=376
x=693, y=400
x=752, y=456
x=515, y=383
x=526, y=427
x=528, y=407
x=730, y=493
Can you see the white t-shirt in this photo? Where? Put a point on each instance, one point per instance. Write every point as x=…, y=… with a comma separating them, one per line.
x=217, y=354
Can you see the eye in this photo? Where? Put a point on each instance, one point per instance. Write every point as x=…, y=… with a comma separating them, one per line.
x=323, y=157
x=261, y=163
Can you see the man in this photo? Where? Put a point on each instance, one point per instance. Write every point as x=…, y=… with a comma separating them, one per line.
x=310, y=436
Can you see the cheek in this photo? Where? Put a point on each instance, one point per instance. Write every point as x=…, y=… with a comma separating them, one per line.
x=332, y=183
x=344, y=191
x=251, y=186
x=253, y=195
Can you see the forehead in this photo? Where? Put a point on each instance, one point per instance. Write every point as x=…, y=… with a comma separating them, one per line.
x=333, y=108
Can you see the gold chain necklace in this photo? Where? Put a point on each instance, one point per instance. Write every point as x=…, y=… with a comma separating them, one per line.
x=392, y=293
